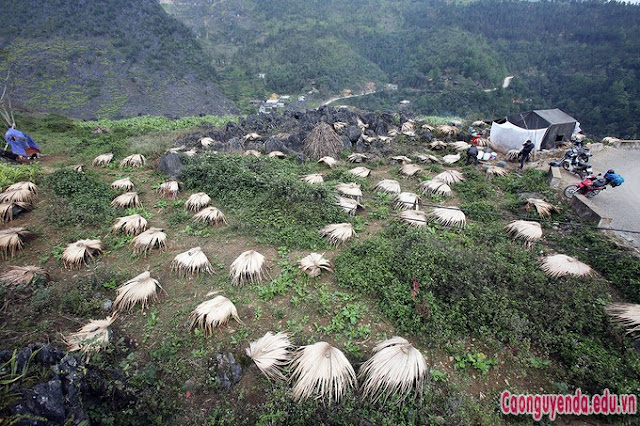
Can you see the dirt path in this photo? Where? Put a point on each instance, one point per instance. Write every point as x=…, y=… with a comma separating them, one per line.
x=622, y=204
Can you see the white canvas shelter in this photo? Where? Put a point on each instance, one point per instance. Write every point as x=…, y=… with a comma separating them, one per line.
x=508, y=136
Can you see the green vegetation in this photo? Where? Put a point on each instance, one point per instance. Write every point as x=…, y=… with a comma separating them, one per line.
x=442, y=55
x=479, y=283
x=12, y=173
x=78, y=199
x=267, y=198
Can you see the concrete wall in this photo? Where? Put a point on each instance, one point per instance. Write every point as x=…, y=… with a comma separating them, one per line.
x=626, y=144
x=588, y=211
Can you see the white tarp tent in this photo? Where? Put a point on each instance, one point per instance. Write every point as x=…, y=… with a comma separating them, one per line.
x=508, y=136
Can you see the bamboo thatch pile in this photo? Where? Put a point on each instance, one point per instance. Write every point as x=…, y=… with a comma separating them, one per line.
x=322, y=141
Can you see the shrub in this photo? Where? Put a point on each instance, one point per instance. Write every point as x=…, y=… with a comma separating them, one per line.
x=471, y=283
x=266, y=197
x=79, y=199
x=12, y=173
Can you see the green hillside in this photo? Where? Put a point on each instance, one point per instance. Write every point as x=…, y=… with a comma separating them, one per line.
x=105, y=59
x=445, y=57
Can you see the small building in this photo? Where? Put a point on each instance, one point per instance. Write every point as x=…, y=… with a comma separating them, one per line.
x=546, y=128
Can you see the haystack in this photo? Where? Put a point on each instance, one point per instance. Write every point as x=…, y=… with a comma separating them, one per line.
x=322, y=141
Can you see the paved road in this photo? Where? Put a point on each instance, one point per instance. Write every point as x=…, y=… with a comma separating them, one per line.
x=622, y=204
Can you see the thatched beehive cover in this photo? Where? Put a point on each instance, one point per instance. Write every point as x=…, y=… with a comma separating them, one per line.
x=322, y=141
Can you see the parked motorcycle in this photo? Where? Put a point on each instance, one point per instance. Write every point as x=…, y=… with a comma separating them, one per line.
x=578, y=167
x=590, y=186
x=578, y=151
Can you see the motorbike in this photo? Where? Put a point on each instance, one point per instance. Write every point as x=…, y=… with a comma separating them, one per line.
x=578, y=167
x=578, y=151
x=590, y=186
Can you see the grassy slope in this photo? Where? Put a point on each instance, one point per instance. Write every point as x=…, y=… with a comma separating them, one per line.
x=478, y=293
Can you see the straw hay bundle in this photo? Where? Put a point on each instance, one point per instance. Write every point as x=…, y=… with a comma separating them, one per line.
x=388, y=186
x=413, y=217
x=400, y=159
x=348, y=205
x=513, y=154
x=24, y=185
x=362, y=172
x=191, y=262
x=525, y=230
x=322, y=141
x=9, y=210
x=450, y=177
x=436, y=186
x=428, y=158
x=17, y=275
x=277, y=154
x=543, y=208
x=103, y=160
x=271, y=353
x=329, y=161
x=92, y=337
x=459, y=146
x=349, y=190
x=497, y=171
x=206, y=142
x=357, y=157
x=322, y=372
x=135, y=160
x=197, y=201
x=169, y=189
x=12, y=240
x=122, y=184
x=213, y=313
x=79, y=253
x=314, y=264
x=410, y=170
x=247, y=268
x=560, y=265
x=149, y=239
x=406, y=201
x=450, y=159
x=395, y=368
x=252, y=137
x=127, y=200
x=137, y=290
x=19, y=195
x=130, y=225
x=338, y=233
x=437, y=145
x=210, y=215
x=314, y=178
x=627, y=314
x=449, y=216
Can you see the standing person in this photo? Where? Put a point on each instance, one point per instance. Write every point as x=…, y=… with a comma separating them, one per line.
x=527, y=147
x=472, y=152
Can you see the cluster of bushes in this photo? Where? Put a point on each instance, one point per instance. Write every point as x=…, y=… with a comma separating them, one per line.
x=480, y=284
x=267, y=197
x=78, y=199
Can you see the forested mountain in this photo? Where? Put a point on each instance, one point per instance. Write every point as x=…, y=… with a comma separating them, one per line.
x=107, y=58
x=444, y=56
x=115, y=58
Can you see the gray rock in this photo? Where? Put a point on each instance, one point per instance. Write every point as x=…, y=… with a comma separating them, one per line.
x=171, y=165
x=353, y=133
x=107, y=305
x=226, y=370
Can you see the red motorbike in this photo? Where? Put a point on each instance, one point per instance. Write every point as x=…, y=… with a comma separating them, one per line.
x=590, y=186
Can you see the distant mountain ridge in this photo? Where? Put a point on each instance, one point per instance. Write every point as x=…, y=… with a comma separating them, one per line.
x=445, y=57
x=108, y=58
